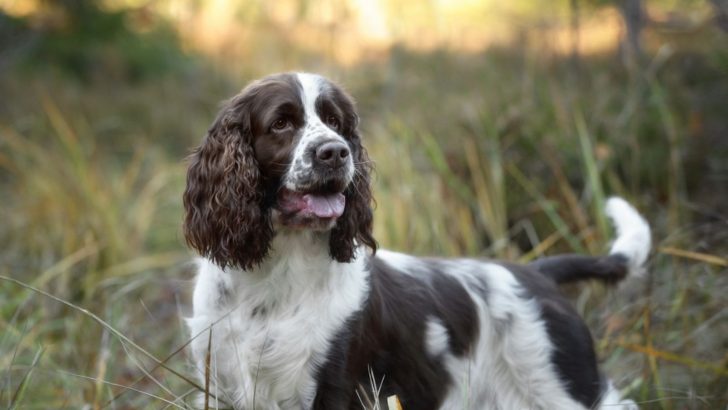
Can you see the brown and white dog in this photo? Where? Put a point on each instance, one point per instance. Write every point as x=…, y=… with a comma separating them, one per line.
x=295, y=308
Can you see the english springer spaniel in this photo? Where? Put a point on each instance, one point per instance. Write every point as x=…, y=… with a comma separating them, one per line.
x=294, y=307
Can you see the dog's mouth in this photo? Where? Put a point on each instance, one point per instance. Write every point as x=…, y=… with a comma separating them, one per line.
x=319, y=205
x=310, y=209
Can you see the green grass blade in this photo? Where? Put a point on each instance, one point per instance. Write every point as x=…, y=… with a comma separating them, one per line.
x=594, y=181
x=25, y=381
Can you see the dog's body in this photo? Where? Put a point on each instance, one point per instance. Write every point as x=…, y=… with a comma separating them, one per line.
x=293, y=310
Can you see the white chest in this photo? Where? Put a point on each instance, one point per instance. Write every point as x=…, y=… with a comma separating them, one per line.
x=268, y=332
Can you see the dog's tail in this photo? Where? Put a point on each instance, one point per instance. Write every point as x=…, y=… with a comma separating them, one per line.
x=626, y=257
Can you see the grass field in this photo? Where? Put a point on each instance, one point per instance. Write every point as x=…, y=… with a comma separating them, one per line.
x=507, y=152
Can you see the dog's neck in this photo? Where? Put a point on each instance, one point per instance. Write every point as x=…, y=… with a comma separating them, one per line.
x=297, y=269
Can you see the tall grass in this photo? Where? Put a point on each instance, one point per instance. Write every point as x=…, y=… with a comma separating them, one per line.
x=91, y=233
x=502, y=157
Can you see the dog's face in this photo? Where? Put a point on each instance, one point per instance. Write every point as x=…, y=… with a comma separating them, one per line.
x=304, y=138
x=284, y=154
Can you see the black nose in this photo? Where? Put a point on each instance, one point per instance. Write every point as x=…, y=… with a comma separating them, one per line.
x=332, y=154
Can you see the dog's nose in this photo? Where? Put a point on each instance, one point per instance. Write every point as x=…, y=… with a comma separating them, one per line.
x=332, y=154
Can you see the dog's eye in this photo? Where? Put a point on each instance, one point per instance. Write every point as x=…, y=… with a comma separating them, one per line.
x=280, y=125
x=333, y=122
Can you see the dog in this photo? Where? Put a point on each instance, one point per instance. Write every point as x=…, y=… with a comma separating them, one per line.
x=295, y=308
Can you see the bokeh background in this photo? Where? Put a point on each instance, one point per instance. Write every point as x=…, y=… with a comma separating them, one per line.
x=498, y=128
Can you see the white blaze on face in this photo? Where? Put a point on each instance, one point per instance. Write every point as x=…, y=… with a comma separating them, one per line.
x=311, y=85
x=314, y=133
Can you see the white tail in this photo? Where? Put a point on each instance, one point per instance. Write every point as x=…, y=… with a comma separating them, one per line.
x=634, y=240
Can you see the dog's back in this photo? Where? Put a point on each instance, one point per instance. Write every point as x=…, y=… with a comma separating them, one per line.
x=473, y=334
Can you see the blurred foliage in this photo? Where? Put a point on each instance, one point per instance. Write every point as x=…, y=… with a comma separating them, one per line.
x=506, y=150
x=81, y=39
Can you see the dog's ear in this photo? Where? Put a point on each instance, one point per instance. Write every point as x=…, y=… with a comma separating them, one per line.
x=224, y=215
x=354, y=226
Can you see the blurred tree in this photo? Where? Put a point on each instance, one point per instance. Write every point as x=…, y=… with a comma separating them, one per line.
x=81, y=38
x=13, y=40
x=633, y=14
x=721, y=13
x=634, y=17
x=575, y=27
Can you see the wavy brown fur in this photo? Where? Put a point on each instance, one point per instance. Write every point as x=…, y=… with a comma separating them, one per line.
x=356, y=222
x=225, y=220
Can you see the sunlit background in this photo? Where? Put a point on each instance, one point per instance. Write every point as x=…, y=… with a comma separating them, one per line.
x=498, y=128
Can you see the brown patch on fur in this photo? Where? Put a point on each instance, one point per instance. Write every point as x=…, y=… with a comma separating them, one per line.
x=234, y=175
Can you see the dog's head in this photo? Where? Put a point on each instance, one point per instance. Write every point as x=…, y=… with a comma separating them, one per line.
x=283, y=154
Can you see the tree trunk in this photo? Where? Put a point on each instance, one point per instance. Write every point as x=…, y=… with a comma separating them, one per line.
x=721, y=13
x=633, y=15
x=575, y=26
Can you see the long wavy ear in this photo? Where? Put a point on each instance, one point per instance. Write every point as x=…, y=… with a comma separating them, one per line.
x=225, y=219
x=354, y=226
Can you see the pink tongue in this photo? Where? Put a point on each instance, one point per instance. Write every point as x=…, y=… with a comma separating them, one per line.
x=325, y=206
